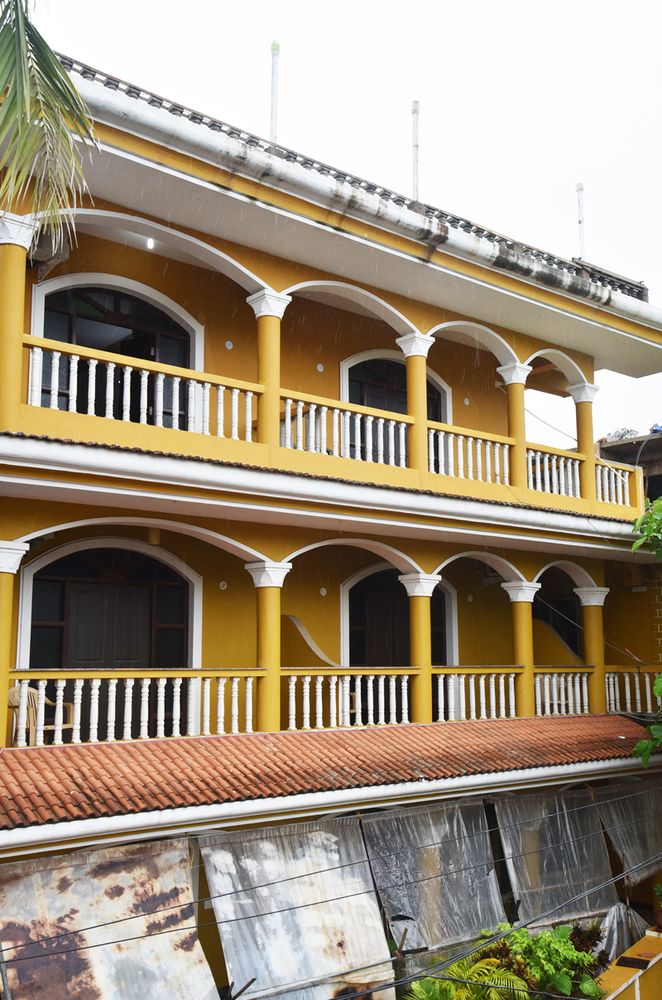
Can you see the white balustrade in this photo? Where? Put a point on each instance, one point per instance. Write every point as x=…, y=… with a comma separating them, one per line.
x=561, y=692
x=612, y=485
x=631, y=691
x=330, y=701
x=475, y=695
x=551, y=473
x=95, y=709
x=137, y=395
x=468, y=456
x=335, y=430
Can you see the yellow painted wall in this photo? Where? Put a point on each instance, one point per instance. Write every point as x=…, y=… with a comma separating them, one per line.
x=549, y=649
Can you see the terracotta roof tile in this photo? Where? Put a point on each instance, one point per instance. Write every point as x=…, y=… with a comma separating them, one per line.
x=50, y=784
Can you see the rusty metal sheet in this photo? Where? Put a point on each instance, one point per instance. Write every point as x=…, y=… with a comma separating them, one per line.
x=295, y=905
x=51, y=909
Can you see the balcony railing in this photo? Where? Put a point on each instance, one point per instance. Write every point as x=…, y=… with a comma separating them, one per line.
x=630, y=689
x=109, y=399
x=561, y=692
x=328, y=700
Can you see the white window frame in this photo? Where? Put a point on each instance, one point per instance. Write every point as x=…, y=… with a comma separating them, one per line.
x=389, y=355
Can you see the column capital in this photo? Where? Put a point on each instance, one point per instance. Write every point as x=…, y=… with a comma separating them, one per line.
x=521, y=591
x=583, y=392
x=419, y=584
x=415, y=345
x=11, y=554
x=266, y=302
x=18, y=230
x=268, y=574
x=591, y=597
x=514, y=372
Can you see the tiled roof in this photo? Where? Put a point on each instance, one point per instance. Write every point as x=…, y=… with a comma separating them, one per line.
x=575, y=267
x=54, y=784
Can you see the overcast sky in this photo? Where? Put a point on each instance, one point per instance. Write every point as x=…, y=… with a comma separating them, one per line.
x=519, y=101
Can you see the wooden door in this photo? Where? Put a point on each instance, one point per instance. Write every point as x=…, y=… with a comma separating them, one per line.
x=109, y=626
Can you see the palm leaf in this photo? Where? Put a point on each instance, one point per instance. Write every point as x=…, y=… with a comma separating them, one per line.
x=44, y=123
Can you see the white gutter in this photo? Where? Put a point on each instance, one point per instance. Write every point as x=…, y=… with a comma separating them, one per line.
x=115, y=108
x=199, y=474
x=188, y=819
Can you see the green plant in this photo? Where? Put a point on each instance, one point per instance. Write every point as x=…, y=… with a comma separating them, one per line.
x=644, y=748
x=648, y=528
x=473, y=978
x=554, y=962
x=657, y=889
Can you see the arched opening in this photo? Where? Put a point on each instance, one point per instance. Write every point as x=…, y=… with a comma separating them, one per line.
x=381, y=382
x=550, y=410
x=111, y=319
x=558, y=639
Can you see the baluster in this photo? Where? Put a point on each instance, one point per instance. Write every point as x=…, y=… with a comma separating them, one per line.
x=470, y=457
x=41, y=712
x=248, y=415
x=234, y=414
x=190, y=404
x=498, y=461
x=220, y=705
x=571, y=695
x=479, y=459
x=158, y=399
x=22, y=721
x=36, y=376
x=392, y=700
x=128, y=708
x=319, y=702
x=575, y=477
x=441, y=455
x=529, y=468
x=371, y=700
x=206, y=388
x=126, y=392
x=299, y=425
x=206, y=706
x=111, y=711
x=333, y=702
x=160, y=707
x=311, y=426
x=626, y=488
x=493, y=711
x=358, y=423
x=598, y=482
x=110, y=390
x=220, y=411
x=606, y=490
x=452, y=682
x=578, y=694
x=292, y=703
x=562, y=489
x=441, y=716
x=637, y=692
x=619, y=487
x=322, y=429
x=404, y=698
x=555, y=694
x=248, y=697
x=369, y=457
x=73, y=383
x=176, y=706
x=91, y=386
x=502, y=696
x=380, y=440
x=608, y=693
x=59, y=712
x=402, y=441
x=462, y=696
x=381, y=701
x=538, y=683
x=335, y=431
x=192, y=719
x=144, y=708
x=174, y=405
x=345, y=697
x=482, y=696
x=451, y=454
x=460, y=456
x=391, y=442
x=287, y=443
x=78, y=700
x=144, y=377
x=585, y=693
x=545, y=473
x=538, y=477
x=506, y=464
x=547, y=697
x=488, y=461
x=562, y=693
x=234, y=705
x=649, y=700
x=55, y=380
x=628, y=692
x=345, y=443
x=358, y=702
x=431, y=467
x=472, y=696
x=305, y=723
x=555, y=475
x=511, y=696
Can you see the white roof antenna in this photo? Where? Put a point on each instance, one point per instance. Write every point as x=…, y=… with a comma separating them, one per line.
x=275, y=52
x=580, y=218
x=415, y=108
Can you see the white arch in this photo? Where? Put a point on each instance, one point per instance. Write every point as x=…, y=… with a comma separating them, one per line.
x=381, y=549
x=565, y=365
x=509, y=572
x=361, y=574
x=338, y=292
x=181, y=527
x=87, y=279
x=477, y=335
x=135, y=231
x=355, y=359
x=579, y=576
x=27, y=574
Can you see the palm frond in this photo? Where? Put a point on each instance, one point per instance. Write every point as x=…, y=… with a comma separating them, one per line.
x=44, y=124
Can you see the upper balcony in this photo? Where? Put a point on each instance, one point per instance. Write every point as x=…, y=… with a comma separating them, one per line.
x=324, y=378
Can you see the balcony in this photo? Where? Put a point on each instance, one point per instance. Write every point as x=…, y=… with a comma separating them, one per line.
x=102, y=398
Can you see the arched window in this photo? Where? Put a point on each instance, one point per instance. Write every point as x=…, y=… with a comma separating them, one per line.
x=109, y=319
x=381, y=382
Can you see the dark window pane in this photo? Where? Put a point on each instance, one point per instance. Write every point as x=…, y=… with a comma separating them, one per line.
x=173, y=351
x=169, y=653
x=56, y=326
x=46, y=647
x=48, y=600
x=170, y=605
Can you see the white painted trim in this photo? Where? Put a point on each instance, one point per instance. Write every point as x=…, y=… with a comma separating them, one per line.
x=11, y=554
x=355, y=359
x=419, y=584
x=118, y=282
x=515, y=373
x=357, y=294
x=392, y=555
x=521, y=593
x=472, y=334
x=167, y=822
x=569, y=368
x=310, y=642
x=452, y=650
x=591, y=597
x=28, y=571
x=498, y=563
x=583, y=392
x=267, y=573
x=17, y=230
x=268, y=303
x=579, y=576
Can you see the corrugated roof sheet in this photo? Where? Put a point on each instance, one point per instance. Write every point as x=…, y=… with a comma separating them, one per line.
x=41, y=785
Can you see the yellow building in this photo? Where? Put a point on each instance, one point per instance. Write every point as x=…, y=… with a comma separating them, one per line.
x=264, y=468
